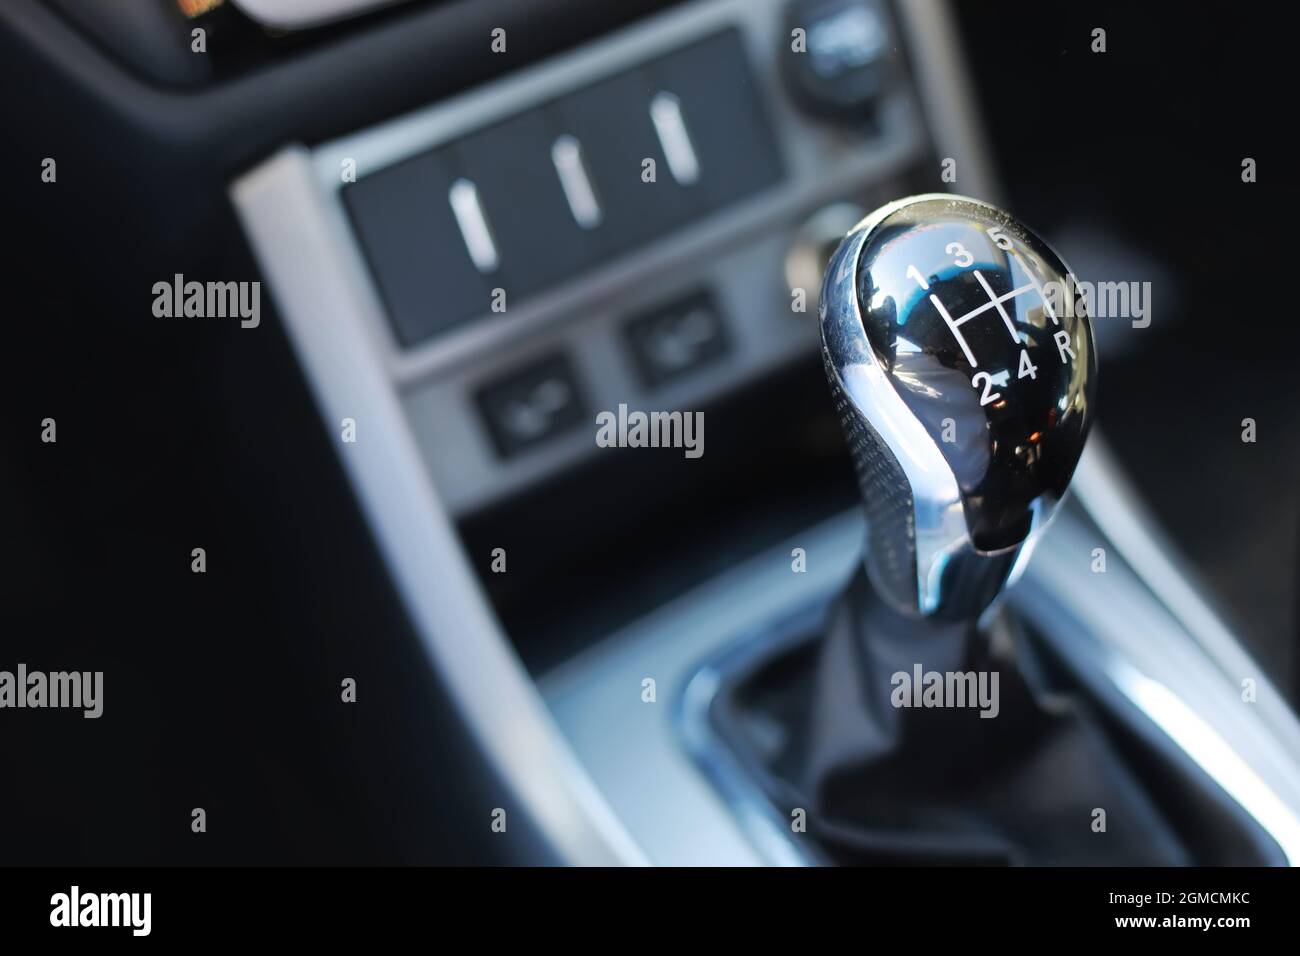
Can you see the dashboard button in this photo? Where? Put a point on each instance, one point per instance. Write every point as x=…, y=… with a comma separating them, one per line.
x=734, y=145
x=414, y=246
x=537, y=238
x=531, y=405
x=613, y=122
x=677, y=339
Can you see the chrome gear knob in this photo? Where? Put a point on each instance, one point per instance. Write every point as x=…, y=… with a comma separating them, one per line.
x=962, y=366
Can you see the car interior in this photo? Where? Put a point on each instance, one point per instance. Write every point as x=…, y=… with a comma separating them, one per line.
x=379, y=567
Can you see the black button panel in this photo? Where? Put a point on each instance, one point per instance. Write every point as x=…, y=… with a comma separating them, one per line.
x=535, y=199
x=532, y=404
x=677, y=339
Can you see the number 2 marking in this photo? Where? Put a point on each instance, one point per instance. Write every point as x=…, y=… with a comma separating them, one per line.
x=989, y=396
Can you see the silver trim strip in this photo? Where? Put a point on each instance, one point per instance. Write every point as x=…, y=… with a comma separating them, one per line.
x=1143, y=647
x=288, y=224
x=1113, y=503
x=1220, y=761
x=945, y=86
x=1114, y=506
x=633, y=749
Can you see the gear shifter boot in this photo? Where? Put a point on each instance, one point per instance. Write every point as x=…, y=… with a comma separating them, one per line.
x=993, y=770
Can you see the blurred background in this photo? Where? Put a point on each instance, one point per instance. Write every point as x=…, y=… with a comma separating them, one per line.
x=177, y=433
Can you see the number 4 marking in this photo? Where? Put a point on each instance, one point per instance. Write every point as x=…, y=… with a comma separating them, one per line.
x=1027, y=368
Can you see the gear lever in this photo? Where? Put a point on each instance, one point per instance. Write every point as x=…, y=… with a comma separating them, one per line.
x=964, y=376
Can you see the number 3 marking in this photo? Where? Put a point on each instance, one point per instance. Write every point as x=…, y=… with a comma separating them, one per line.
x=957, y=250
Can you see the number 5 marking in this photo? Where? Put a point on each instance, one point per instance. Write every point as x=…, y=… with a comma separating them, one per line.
x=1000, y=238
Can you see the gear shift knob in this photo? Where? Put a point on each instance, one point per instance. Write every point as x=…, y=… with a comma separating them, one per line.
x=963, y=371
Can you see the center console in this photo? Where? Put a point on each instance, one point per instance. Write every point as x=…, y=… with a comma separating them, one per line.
x=644, y=221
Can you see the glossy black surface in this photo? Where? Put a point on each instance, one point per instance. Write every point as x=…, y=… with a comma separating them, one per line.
x=976, y=325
